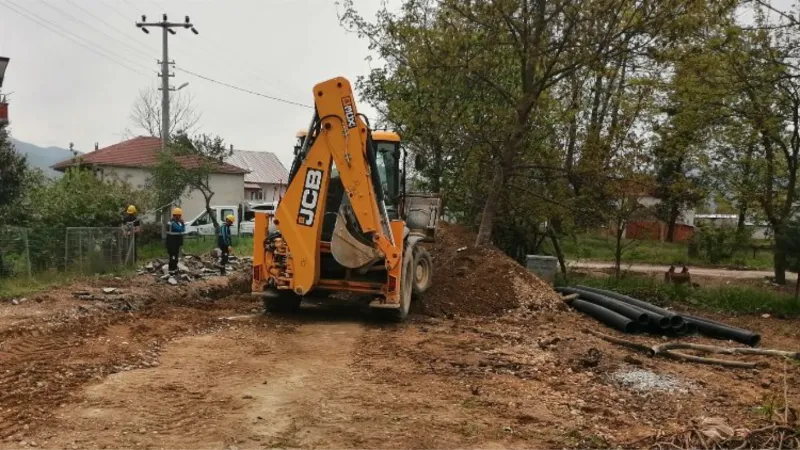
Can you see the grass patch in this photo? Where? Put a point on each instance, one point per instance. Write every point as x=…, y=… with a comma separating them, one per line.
x=731, y=299
x=598, y=248
x=201, y=245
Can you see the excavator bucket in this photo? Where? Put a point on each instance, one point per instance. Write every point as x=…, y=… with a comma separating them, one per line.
x=349, y=248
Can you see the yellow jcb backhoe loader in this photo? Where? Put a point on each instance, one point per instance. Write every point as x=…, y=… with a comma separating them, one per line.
x=346, y=222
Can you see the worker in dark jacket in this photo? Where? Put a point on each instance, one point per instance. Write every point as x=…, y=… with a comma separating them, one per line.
x=132, y=228
x=224, y=241
x=175, y=231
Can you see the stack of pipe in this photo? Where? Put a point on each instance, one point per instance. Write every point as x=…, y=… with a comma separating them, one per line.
x=631, y=315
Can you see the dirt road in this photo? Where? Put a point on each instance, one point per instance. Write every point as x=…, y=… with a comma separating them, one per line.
x=201, y=367
x=658, y=269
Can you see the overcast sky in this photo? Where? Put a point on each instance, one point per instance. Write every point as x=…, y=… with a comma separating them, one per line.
x=64, y=92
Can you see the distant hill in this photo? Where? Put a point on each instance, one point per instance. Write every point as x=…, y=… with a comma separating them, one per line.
x=41, y=157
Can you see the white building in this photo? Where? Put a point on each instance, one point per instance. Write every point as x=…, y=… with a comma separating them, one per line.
x=131, y=161
x=267, y=177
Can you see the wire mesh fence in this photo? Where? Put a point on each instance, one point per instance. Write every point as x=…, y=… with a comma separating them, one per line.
x=29, y=251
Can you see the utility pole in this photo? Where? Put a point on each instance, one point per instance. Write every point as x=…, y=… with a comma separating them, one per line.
x=166, y=29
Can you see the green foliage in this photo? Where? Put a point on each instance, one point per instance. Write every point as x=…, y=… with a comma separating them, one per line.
x=13, y=172
x=718, y=244
x=598, y=248
x=517, y=107
x=80, y=199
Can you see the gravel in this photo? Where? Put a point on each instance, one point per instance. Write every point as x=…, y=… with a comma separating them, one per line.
x=646, y=381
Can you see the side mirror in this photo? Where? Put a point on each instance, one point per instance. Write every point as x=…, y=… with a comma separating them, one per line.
x=419, y=162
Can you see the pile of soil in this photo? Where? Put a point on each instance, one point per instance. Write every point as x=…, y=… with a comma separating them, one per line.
x=479, y=281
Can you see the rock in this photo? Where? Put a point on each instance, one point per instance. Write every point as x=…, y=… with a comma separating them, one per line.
x=15, y=302
x=765, y=316
x=109, y=290
x=142, y=430
x=247, y=397
x=172, y=281
x=183, y=267
x=149, y=266
x=165, y=269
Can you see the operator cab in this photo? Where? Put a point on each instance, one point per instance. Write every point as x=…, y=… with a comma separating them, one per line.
x=387, y=159
x=386, y=146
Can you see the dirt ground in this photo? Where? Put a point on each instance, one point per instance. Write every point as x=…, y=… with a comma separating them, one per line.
x=199, y=366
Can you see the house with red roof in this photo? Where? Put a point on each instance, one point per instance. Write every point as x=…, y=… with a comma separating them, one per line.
x=132, y=161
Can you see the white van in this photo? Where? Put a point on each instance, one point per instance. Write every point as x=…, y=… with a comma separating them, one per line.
x=245, y=222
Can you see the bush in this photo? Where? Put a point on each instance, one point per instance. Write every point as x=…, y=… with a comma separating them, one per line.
x=718, y=244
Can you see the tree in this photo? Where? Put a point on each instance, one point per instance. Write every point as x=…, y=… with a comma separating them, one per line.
x=13, y=171
x=146, y=113
x=187, y=166
x=502, y=62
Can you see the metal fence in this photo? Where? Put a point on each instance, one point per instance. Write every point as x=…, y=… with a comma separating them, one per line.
x=27, y=251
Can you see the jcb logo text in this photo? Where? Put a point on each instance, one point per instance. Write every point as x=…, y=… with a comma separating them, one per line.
x=349, y=112
x=310, y=198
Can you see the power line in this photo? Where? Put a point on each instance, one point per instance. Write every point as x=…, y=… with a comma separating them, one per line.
x=65, y=34
x=141, y=47
x=82, y=22
x=277, y=99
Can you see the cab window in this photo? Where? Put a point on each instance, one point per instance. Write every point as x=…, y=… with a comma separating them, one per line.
x=386, y=159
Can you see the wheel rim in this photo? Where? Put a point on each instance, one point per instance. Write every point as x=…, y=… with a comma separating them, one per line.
x=421, y=273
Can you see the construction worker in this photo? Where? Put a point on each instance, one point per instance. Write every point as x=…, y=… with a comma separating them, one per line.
x=132, y=227
x=175, y=231
x=224, y=241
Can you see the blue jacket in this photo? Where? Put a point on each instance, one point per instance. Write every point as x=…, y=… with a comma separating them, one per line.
x=176, y=227
x=225, y=236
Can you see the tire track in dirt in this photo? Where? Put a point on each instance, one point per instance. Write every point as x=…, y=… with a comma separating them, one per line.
x=250, y=384
x=46, y=359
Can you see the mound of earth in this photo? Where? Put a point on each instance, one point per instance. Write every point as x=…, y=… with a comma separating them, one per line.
x=469, y=280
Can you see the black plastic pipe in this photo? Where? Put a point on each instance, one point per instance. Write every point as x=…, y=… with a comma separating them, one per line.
x=675, y=319
x=722, y=331
x=606, y=316
x=636, y=314
x=657, y=320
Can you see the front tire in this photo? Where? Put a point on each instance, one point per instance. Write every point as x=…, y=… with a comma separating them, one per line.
x=276, y=301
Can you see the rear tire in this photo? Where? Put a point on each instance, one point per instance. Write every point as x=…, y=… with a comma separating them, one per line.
x=406, y=288
x=281, y=302
x=423, y=271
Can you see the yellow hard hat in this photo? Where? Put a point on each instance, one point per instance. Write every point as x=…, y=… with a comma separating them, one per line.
x=177, y=212
x=131, y=209
x=230, y=218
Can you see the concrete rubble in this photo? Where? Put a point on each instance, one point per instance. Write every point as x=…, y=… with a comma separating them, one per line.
x=193, y=268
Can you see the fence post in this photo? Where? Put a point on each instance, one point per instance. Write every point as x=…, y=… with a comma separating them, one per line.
x=27, y=250
x=80, y=251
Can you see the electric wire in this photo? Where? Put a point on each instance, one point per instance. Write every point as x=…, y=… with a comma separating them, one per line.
x=65, y=34
x=231, y=86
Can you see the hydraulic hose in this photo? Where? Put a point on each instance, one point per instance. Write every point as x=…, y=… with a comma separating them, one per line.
x=675, y=319
x=631, y=312
x=606, y=316
x=722, y=331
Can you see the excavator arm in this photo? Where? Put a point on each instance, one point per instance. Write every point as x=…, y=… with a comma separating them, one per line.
x=340, y=135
